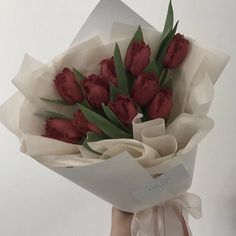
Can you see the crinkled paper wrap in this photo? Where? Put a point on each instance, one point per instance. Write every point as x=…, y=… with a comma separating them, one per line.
x=157, y=147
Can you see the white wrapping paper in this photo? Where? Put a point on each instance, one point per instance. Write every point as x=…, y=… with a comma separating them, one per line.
x=161, y=154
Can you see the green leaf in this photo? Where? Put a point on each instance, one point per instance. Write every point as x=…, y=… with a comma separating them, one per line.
x=151, y=68
x=51, y=114
x=138, y=36
x=169, y=21
x=163, y=48
x=140, y=110
x=113, y=118
x=56, y=101
x=163, y=76
x=145, y=113
x=114, y=91
x=167, y=83
x=85, y=103
x=90, y=149
x=165, y=42
x=131, y=81
x=92, y=137
x=79, y=76
x=103, y=124
x=120, y=71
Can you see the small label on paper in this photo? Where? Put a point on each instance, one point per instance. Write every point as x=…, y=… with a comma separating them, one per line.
x=165, y=186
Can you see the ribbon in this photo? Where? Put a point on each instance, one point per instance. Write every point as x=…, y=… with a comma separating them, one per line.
x=152, y=221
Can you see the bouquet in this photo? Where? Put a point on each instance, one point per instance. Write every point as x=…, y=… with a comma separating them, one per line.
x=121, y=113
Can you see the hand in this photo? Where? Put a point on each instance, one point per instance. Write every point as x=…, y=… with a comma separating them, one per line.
x=121, y=223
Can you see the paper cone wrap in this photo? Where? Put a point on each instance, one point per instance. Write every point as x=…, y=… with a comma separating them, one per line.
x=131, y=174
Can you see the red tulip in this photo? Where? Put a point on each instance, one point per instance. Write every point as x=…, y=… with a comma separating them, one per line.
x=108, y=71
x=125, y=109
x=161, y=105
x=96, y=90
x=137, y=57
x=176, y=52
x=62, y=130
x=84, y=125
x=145, y=88
x=68, y=87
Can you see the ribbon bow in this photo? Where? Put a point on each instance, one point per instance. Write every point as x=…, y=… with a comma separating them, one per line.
x=152, y=222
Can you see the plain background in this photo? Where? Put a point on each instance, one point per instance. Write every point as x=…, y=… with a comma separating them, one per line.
x=37, y=202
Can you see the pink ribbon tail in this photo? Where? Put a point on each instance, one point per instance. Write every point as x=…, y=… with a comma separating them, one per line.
x=151, y=222
x=182, y=221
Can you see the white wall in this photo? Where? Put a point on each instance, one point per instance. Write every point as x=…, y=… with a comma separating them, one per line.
x=37, y=202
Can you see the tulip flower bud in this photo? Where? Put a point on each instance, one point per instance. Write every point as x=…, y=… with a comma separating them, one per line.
x=84, y=125
x=108, y=71
x=176, y=52
x=145, y=88
x=161, y=105
x=68, y=87
x=137, y=58
x=125, y=109
x=96, y=90
x=62, y=130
